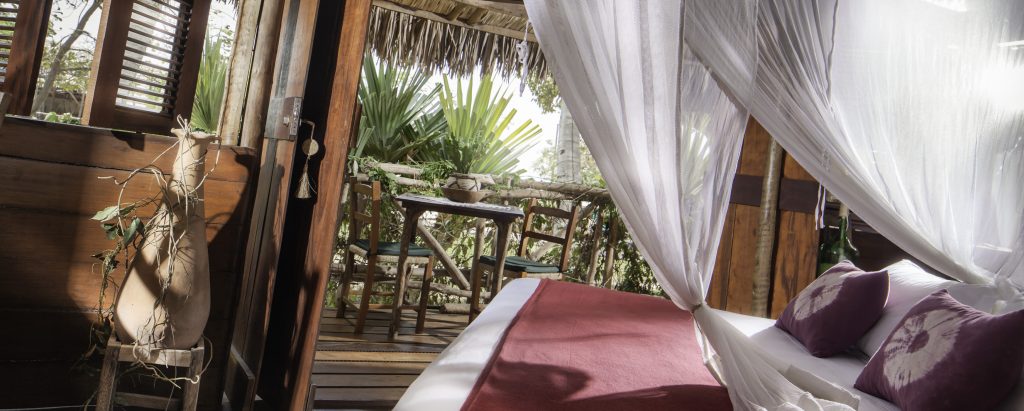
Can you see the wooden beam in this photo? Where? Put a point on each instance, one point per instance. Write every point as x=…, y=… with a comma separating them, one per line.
x=501, y=31
x=511, y=8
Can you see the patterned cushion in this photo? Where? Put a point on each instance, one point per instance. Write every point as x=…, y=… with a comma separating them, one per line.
x=908, y=284
x=945, y=355
x=392, y=248
x=832, y=313
x=521, y=265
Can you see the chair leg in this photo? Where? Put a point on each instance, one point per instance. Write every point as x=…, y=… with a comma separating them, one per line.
x=364, y=304
x=474, y=289
x=428, y=275
x=346, y=285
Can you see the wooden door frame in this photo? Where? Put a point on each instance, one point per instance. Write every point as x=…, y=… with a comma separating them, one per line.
x=311, y=228
x=288, y=26
x=288, y=262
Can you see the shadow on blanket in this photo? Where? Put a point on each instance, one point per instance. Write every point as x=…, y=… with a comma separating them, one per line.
x=578, y=347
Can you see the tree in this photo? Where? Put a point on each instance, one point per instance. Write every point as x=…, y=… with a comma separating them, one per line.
x=60, y=50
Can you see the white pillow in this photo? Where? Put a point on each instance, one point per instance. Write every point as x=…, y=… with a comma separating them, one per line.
x=908, y=284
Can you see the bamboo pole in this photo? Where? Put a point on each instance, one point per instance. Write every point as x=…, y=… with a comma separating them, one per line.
x=239, y=68
x=765, y=246
x=261, y=76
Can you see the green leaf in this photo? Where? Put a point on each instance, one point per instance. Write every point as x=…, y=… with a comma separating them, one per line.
x=106, y=213
x=134, y=228
x=113, y=230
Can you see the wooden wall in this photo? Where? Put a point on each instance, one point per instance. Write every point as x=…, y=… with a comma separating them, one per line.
x=49, y=189
x=795, y=254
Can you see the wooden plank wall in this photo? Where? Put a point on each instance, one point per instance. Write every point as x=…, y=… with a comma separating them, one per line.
x=49, y=189
x=796, y=247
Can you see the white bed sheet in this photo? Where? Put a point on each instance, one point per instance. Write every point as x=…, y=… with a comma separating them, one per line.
x=841, y=370
x=447, y=382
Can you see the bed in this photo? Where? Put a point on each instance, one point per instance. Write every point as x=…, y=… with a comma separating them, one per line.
x=449, y=381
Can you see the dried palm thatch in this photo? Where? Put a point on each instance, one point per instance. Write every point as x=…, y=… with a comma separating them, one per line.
x=454, y=37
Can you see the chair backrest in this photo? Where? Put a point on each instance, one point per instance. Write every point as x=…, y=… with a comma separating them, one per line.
x=572, y=217
x=364, y=208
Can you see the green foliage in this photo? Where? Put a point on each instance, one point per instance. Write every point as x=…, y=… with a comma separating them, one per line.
x=480, y=138
x=436, y=171
x=74, y=73
x=65, y=118
x=211, y=84
x=545, y=92
x=399, y=113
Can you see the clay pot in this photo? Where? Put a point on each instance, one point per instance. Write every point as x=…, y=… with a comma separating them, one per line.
x=461, y=181
x=165, y=299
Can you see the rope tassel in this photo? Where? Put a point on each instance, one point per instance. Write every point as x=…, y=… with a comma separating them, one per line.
x=309, y=147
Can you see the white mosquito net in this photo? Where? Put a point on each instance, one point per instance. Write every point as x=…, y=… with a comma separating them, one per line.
x=909, y=110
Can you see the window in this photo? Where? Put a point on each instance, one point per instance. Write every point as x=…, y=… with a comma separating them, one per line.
x=22, y=32
x=149, y=53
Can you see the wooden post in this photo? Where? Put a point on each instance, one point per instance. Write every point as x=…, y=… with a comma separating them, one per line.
x=765, y=248
x=239, y=69
x=595, y=248
x=478, y=244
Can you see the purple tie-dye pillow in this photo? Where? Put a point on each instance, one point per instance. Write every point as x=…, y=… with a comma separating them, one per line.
x=945, y=355
x=832, y=313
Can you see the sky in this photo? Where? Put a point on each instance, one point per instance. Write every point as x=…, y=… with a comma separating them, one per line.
x=223, y=16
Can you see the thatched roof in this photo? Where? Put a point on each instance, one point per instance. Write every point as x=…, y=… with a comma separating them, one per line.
x=453, y=36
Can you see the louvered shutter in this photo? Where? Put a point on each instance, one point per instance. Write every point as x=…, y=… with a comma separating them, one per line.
x=148, y=64
x=22, y=35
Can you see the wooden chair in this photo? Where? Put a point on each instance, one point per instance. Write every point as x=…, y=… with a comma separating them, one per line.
x=522, y=267
x=376, y=252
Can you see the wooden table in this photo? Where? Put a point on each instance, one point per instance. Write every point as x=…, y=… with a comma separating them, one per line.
x=415, y=205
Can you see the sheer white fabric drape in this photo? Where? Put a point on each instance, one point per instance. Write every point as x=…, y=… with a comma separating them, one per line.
x=666, y=139
x=910, y=111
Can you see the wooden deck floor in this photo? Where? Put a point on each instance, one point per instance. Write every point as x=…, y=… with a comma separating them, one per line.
x=369, y=372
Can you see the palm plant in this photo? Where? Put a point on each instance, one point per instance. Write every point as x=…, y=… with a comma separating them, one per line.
x=398, y=116
x=210, y=87
x=479, y=137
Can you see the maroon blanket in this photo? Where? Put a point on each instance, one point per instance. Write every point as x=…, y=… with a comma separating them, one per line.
x=574, y=347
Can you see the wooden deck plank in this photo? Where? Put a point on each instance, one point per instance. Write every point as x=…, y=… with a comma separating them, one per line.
x=368, y=367
x=417, y=338
x=379, y=347
x=362, y=380
x=357, y=397
x=368, y=370
x=374, y=356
